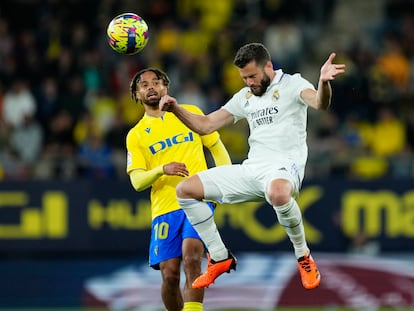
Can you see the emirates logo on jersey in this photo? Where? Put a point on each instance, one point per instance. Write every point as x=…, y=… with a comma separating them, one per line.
x=263, y=116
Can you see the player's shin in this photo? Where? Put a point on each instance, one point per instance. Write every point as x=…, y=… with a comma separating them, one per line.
x=290, y=217
x=201, y=217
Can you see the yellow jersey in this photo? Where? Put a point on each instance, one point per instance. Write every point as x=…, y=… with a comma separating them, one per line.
x=156, y=141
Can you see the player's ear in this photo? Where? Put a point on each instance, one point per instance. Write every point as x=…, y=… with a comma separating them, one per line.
x=268, y=68
x=269, y=65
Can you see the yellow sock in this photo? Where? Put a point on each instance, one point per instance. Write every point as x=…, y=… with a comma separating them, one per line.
x=193, y=306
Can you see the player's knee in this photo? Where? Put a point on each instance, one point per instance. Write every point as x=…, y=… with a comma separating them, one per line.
x=192, y=266
x=182, y=190
x=190, y=188
x=279, y=200
x=280, y=192
x=170, y=277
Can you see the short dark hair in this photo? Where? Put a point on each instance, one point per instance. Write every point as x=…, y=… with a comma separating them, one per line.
x=251, y=52
x=137, y=77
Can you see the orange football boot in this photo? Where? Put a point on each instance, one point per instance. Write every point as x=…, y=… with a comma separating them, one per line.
x=309, y=272
x=214, y=270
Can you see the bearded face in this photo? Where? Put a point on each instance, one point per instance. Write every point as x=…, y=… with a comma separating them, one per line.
x=152, y=97
x=260, y=89
x=150, y=89
x=257, y=77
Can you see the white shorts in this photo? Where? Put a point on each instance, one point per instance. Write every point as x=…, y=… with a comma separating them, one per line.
x=247, y=182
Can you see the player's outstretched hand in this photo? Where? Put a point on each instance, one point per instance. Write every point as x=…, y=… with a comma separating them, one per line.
x=176, y=169
x=167, y=103
x=329, y=70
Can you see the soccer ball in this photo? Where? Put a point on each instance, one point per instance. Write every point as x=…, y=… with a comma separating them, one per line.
x=127, y=33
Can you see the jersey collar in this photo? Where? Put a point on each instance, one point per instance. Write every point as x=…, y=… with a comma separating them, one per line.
x=278, y=76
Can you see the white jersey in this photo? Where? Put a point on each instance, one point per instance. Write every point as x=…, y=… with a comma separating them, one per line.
x=277, y=119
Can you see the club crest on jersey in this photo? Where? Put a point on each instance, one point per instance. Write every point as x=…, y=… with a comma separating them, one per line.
x=275, y=95
x=248, y=95
x=171, y=141
x=148, y=130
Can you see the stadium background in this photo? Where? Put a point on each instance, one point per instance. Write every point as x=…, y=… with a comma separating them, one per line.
x=73, y=233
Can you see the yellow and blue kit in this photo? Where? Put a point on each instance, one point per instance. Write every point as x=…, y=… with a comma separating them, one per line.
x=153, y=142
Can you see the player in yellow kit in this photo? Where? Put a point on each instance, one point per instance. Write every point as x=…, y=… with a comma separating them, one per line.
x=162, y=151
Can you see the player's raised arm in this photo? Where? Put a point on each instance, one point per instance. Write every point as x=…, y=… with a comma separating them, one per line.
x=201, y=124
x=321, y=99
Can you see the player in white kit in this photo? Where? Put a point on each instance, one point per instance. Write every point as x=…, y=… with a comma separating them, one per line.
x=275, y=105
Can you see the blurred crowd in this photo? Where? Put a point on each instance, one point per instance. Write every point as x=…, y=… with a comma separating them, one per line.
x=65, y=106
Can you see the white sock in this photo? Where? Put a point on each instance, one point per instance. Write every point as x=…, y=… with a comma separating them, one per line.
x=290, y=217
x=201, y=217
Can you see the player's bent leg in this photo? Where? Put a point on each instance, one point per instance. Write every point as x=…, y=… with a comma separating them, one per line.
x=170, y=287
x=201, y=217
x=190, y=192
x=290, y=217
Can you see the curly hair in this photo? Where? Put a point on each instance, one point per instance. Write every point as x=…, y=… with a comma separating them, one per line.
x=137, y=77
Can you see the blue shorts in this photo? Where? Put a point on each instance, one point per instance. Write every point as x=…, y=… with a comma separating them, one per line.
x=167, y=234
